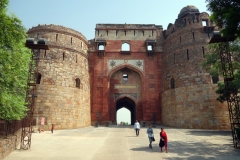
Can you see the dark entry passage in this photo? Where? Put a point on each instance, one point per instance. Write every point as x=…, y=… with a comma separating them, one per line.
x=130, y=105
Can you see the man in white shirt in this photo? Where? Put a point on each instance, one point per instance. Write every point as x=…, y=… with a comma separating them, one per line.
x=137, y=127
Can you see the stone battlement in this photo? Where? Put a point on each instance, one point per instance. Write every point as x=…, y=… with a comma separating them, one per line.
x=58, y=28
x=127, y=31
x=127, y=26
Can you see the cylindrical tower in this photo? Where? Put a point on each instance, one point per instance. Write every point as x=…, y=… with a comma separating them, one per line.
x=63, y=88
x=189, y=98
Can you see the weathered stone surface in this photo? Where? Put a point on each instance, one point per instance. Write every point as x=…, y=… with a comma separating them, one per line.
x=59, y=100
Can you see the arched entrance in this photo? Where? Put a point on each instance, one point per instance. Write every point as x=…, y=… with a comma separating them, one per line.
x=129, y=104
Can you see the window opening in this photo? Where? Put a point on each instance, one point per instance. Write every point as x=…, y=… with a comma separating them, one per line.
x=98, y=32
x=116, y=32
x=134, y=32
x=63, y=55
x=107, y=33
x=143, y=33
x=185, y=22
x=125, y=47
x=101, y=47
x=76, y=58
x=187, y=55
x=71, y=40
x=77, y=82
x=203, y=51
x=81, y=45
x=125, y=32
x=39, y=76
x=125, y=77
x=172, y=83
x=152, y=32
x=174, y=58
x=180, y=38
x=193, y=35
x=56, y=37
x=204, y=23
x=215, y=79
x=149, y=47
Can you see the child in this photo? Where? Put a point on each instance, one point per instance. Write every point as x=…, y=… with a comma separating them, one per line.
x=52, y=128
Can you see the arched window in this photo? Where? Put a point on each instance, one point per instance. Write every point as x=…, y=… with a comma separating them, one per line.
x=125, y=77
x=172, y=83
x=39, y=76
x=101, y=47
x=125, y=47
x=149, y=47
x=77, y=82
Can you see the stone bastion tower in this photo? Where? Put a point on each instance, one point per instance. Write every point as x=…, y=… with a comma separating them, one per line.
x=188, y=94
x=63, y=91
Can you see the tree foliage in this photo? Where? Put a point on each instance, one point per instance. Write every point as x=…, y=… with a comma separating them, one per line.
x=226, y=15
x=14, y=60
x=213, y=65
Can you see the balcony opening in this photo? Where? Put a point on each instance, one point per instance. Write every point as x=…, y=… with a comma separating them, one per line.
x=125, y=47
x=101, y=47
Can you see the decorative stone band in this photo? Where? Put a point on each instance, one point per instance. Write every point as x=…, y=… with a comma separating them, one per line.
x=133, y=95
x=138, y=64
x=120, y=86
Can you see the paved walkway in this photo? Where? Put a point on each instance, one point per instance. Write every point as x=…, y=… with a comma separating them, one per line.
x=120, y=143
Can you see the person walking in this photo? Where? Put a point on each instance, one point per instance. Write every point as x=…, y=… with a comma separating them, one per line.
x=150, y=135
x=52, y=128
x=163, y=140
x=137, y=127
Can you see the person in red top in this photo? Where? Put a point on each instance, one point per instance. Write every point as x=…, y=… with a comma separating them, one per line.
x=52, y=128
x=163, y=140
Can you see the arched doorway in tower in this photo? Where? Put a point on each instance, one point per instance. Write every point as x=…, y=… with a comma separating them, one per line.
x=128, y=104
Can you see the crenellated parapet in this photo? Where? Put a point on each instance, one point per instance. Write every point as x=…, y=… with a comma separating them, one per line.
x=58, y=28
x=126, y=31
x=61, y=38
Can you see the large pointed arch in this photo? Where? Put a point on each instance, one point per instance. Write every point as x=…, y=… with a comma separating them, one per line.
x=125, y=66
x=112, y=92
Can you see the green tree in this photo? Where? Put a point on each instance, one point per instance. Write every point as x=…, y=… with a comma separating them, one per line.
x=14, y=60
x=213, y=65
x=226, y=15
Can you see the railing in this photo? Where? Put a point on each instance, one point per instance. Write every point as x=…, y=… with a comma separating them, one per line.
x=9, y=127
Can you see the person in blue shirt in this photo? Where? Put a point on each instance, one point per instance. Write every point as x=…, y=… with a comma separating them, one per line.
x=150, y=135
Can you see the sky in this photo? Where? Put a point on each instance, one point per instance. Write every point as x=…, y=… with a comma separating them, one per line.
x=83, y=15
x=123, y=115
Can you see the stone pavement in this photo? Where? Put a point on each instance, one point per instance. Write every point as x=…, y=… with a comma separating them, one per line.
x=120, y=143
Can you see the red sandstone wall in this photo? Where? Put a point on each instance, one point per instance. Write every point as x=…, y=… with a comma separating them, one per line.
x=148, y=81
